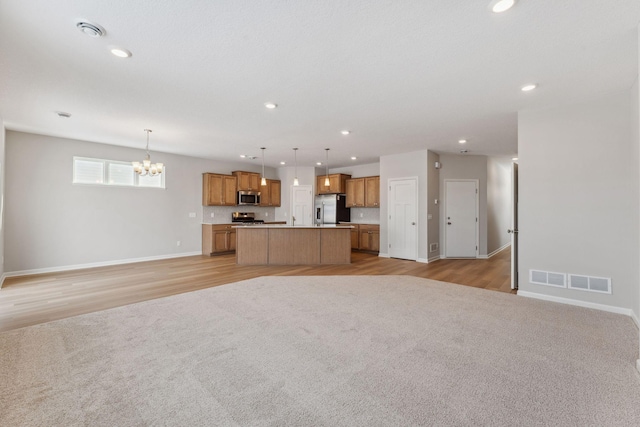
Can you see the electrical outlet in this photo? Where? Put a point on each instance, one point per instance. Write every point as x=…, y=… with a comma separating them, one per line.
x=192, y=214
x=178, y=243
x=361, y=215
x=213, y=214
x=266, y=214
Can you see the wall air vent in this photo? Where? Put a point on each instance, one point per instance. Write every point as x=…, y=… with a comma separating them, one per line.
x=433, y=247
x=558, y=280
x=589, y=283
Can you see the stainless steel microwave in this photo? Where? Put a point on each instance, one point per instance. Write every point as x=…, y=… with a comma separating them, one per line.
x=251, y=198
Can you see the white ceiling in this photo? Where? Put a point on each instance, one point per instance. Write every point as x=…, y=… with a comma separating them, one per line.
x=402, y=75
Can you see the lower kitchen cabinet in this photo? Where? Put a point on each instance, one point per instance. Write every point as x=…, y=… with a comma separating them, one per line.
x=365, y=237
x=218, y=239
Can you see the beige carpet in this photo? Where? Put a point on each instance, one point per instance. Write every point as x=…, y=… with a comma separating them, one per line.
x=325, y=351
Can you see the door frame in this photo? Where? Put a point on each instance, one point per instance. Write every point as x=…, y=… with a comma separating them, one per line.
x=417, y=211
x=444, y=216
x=514, y=226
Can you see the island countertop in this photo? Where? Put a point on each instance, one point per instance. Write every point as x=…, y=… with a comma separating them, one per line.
x=292, y=226
x=281, y=244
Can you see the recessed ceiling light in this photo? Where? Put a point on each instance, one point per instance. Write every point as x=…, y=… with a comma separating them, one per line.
x=243, y=155
x=530, y=87
x=63, y=114
x=499, y=6
x=120, y=52
x=92, y=30
x=354, y=158
x=319, y=163
x=515, y=159
x=345, y=132
x=283, y=163
x=270, y=105
x=462, y=141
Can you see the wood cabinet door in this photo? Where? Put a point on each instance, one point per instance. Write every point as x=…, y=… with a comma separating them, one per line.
x=229, y=190
x=213, y=189
x=355, y=238
x=254, y=181
x=265, y=195
x=364, y=240
x=320, y=187
x=274, y=192
x=374, y=241
x=220, y=241
x=335, y=186
x=350, y=190
x=372, y=188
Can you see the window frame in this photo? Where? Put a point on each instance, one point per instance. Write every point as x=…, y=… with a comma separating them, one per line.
x=105, y=174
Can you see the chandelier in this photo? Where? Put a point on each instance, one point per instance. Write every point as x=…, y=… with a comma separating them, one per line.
x=146, y=167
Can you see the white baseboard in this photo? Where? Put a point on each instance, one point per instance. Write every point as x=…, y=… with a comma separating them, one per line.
x=500, y=249
x=634, y=316
x=482, y=257
x=95, y=264
x=434, y=258
x=383, y=255
x=569, y=301
x=2, y=279
x=423, y=260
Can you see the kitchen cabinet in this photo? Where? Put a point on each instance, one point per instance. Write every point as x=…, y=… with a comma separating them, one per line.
x=369, y=237
x=355, y=237
x=363, y=192
x=218, y=239
x=372, y=192
x=270, y=193
x=218, y=190
x=355, y=193
x=337, y=184
x=247, y=181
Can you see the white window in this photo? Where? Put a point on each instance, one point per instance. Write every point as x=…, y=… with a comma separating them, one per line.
x=111, y=172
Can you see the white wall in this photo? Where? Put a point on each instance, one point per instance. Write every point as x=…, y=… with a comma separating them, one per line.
x=635, y=139
x=306, y=176
x=578, y=186
x=51, y=223
x=2, y=179
x=405, y=165
x=466, y=167
x=433, y=193
x=498, y=202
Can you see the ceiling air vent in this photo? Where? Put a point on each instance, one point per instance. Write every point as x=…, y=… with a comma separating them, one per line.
x=90, y=29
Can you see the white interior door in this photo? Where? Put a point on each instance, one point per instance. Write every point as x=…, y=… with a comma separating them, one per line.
x=403, y=214
x=514, y=226
x=461, y=218
x=301, y=205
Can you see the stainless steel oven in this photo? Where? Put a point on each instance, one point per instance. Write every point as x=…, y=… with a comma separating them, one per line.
x=251, y=198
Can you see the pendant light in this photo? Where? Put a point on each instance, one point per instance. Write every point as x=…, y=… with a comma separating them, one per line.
x=295, y=178
x=263, y=181
x=146, y=167
x=327, y=183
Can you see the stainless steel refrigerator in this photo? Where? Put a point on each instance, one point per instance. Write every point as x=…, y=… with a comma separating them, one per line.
x=330, y=209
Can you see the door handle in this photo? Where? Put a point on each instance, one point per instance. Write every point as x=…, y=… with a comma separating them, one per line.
x=512, y=231
x=413, y=223
x=448, y=223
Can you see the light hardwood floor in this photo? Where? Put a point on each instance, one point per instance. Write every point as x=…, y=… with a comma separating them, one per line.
x=30, y=300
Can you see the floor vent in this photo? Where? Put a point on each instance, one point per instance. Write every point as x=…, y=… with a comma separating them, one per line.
x=589, y=283
x=433, y=247
x=548, y=278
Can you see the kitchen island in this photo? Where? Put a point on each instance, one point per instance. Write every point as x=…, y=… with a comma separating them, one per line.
x=293, y=245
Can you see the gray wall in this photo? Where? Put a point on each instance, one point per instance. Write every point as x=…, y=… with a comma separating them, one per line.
x=433, y=193
x=466, y=167
x=498, y=202
x=51, y=223
x=635, y=139
x=406, y=165
x=2, y=179
x=578, y=187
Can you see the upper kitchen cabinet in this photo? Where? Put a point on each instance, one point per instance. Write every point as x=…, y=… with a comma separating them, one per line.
x=247, y=181
x=337, y=184
x=218, y=190
x=363, y=192
x=270, y=193
x=372, y=192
